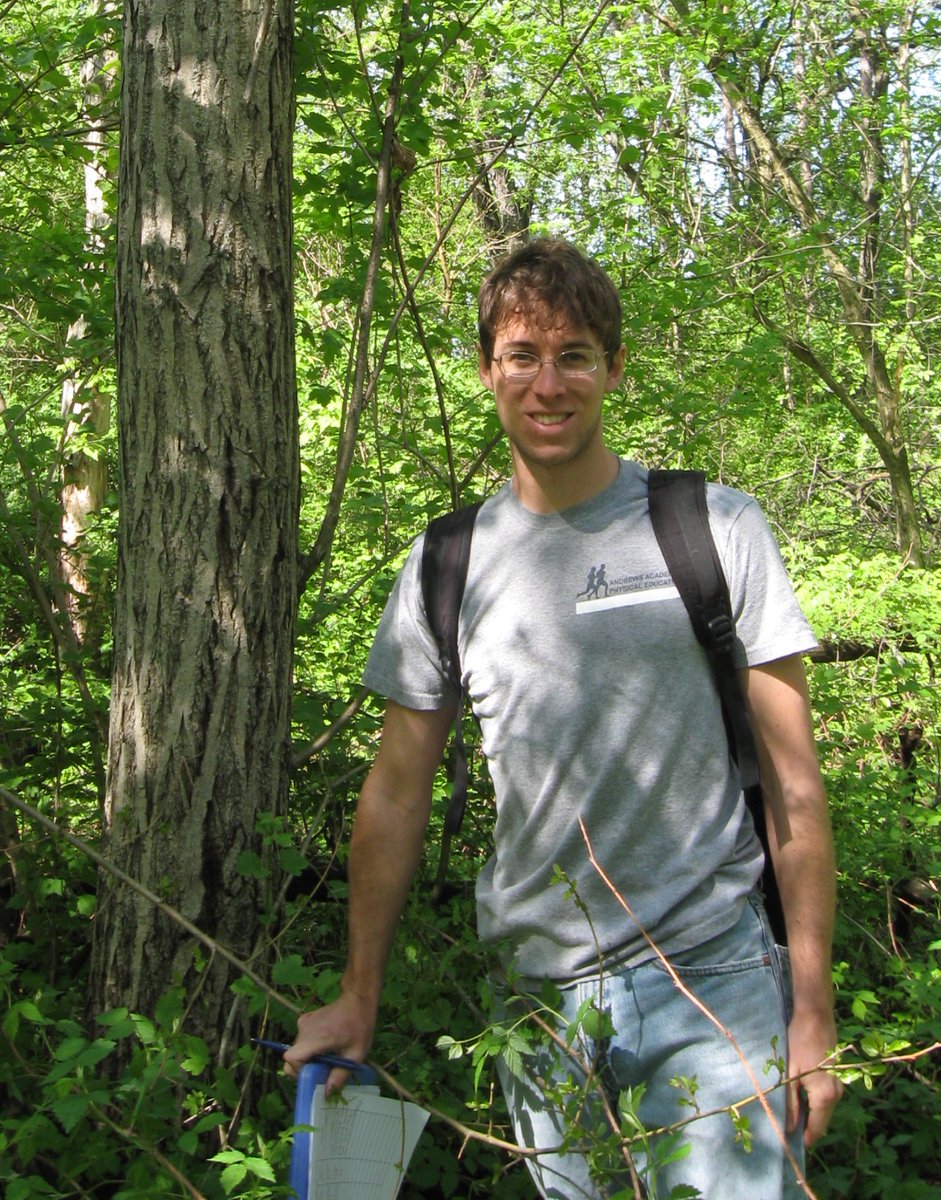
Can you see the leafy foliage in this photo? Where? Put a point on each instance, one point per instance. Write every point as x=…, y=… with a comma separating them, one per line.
x=618, y=132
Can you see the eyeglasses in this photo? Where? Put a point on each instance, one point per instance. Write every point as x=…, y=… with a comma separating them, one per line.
x=520, y=364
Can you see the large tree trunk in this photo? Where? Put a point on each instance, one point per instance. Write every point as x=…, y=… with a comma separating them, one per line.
x=204, y=622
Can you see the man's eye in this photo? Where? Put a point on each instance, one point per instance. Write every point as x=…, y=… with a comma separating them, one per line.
x=519, y=358
x=575, y=360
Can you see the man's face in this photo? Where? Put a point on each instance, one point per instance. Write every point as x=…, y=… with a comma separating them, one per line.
x=553, y=419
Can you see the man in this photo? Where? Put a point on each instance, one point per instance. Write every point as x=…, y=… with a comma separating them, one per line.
x=602, y=731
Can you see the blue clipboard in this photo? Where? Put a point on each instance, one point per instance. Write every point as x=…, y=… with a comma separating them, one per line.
x=310, y=1075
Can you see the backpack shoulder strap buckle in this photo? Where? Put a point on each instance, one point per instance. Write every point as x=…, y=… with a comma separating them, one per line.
x=721, y=632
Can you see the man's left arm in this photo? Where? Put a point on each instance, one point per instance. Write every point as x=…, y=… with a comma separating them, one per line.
x=802, y=850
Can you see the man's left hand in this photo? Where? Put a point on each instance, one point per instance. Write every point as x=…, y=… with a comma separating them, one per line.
x=811, y=1044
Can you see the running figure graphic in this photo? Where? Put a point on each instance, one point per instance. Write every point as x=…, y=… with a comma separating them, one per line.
x=596, y=580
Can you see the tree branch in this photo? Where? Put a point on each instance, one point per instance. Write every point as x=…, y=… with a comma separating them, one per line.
x=359, y=393
x=299, y=757
x=706, y=1012
x=835, y=650
x=311, y=561
x=151, y=897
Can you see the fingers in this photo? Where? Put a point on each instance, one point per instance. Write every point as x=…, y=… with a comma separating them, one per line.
x=812, y=1091
x=823, y=1091
x=810, y=1103
x=291, y=1068
x=794, y=1105
x=343, y=1028
x=337, y=1080
x=309, y=1043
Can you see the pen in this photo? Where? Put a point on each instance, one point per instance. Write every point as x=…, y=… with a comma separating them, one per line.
x=329, y=1060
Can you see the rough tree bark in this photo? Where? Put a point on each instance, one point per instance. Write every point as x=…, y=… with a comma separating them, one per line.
x=204, y=623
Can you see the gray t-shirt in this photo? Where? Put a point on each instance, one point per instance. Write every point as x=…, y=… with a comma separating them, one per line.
x=597, y=709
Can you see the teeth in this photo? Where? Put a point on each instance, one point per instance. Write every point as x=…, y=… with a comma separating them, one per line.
x=548, y=418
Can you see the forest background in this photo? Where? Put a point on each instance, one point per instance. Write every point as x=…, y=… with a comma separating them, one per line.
x=208, y=481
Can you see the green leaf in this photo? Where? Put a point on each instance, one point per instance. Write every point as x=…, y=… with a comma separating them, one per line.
x=250, y=865
x=25, y=1009
x=232, y=1176
x=513, y=1061
x=598, y=1025
x=261, y=1168
x=228, y=1156
x=197, y=1057
x=70, y=1110
x=211, y=1121
x=292, y=861
x=454, y=1048
x=26, y=1188
x=168, y=1012
x=292, y=970
x=69, y=1049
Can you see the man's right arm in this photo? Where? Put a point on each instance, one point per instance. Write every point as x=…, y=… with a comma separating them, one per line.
x=391, y=817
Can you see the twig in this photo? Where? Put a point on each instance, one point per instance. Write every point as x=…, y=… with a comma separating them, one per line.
x=468, y=1133
x=360, y=398
x=706, y=1012
x=299, y=757
x=162, y=1159
x=218, y=948
x=151, y=897
x=361, y=391
x=891, y=1058
x=465, y=1131
x=590, y=1075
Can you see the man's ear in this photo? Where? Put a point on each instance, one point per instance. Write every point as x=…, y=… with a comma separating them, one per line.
x=615, y=371
x=484, y=369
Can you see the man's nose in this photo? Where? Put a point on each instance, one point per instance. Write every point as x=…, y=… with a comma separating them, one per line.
x=549, y=378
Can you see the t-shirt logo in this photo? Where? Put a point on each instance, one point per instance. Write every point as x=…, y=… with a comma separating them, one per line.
x=600, y=592
x=596, y=581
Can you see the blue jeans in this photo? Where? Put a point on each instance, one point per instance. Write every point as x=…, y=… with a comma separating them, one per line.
x=644, y=1034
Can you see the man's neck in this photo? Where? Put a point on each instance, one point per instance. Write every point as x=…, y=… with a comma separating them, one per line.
x=555, y=488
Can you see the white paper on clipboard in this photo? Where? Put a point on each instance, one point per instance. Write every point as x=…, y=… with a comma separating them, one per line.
x=361, y=1144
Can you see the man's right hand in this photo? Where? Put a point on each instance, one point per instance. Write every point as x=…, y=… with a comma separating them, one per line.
x=345, y=1028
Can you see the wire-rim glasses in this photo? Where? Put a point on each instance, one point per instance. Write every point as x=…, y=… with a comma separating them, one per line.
x=520, y=364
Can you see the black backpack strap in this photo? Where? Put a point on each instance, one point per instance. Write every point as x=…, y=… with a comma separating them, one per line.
x=445, y=555
x=680, y=519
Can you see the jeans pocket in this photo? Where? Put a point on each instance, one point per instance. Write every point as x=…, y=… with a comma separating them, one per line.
x=742, y=948
x=782, y=963
x=710, y=970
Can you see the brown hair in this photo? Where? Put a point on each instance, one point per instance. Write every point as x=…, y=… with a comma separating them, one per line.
x=556, y=276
